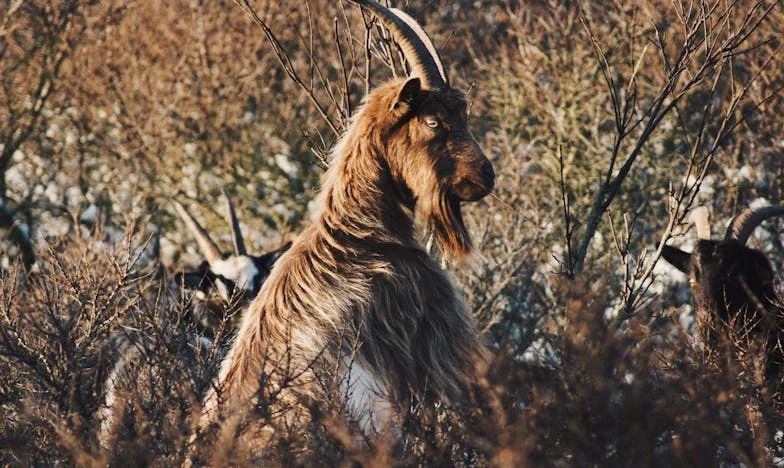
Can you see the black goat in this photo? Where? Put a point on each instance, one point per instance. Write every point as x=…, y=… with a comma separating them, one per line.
x=733, y=287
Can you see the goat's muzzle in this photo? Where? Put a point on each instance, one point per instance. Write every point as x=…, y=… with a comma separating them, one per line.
x=476, y=183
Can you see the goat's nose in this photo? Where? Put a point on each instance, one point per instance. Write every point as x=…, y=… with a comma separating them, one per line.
x=488, y=173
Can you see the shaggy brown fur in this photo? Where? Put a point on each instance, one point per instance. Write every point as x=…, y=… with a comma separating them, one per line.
x=358, y=275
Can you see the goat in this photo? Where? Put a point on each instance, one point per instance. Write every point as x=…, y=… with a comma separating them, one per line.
x=358, y=276
x=228, y=273
x=237, y=277
x=733, y=286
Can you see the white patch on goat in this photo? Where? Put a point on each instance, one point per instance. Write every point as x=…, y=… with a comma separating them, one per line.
x=106, y=413
x=239, y=269
x=365, y=397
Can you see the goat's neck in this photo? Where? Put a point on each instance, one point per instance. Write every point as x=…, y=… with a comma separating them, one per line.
x=361, y=199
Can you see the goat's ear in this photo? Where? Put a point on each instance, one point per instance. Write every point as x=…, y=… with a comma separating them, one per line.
x=408, y=95
x=677, y=258
x=270, y=258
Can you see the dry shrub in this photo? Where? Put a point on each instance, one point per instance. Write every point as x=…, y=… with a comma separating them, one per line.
x=54, y=324
x=644, y=398
x=63, y=328
x=636, y=398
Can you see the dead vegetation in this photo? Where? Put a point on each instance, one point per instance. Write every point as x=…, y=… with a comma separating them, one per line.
x=605, y=123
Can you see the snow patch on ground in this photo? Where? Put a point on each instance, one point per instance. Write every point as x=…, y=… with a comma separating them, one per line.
x=90, y=215
x=284, y=162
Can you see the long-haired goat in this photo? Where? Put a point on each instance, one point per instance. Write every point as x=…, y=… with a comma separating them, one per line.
x=733, y=288
x=237, y=277
x=357, y=293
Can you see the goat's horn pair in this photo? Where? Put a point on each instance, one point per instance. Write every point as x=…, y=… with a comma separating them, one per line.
x=208, y=247
x=417, y=47
x=744, y=224
x=699, y=217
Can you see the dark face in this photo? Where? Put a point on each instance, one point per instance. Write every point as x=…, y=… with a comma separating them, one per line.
x=444, y=122
x=433, y=160
x=432, y=133
x=729, y=278
x=201, y=279
x=204, y=281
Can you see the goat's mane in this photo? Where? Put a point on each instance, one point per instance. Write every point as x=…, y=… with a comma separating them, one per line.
x=366, y=139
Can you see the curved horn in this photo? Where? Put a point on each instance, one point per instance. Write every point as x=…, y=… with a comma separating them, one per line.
x=206, y=244
x=234, y=223
x=744, y=224
x=417, y=47
x=699, y=217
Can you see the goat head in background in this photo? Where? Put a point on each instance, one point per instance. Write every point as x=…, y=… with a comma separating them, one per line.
x=734, y=285
x=234, y=273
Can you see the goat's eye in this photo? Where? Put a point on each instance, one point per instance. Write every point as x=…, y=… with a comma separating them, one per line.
x=432, y=123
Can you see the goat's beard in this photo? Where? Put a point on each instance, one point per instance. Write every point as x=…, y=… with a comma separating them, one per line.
x=444, y=221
